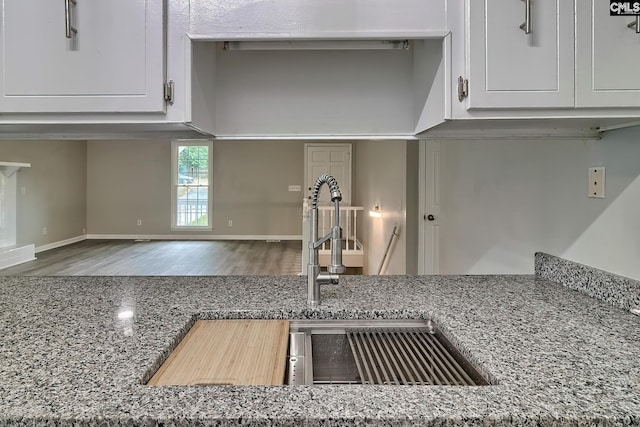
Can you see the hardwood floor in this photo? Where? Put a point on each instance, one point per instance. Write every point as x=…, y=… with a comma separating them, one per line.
x=165, y=258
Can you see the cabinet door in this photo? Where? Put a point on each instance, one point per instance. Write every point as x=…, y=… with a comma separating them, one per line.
x=510, y=69
x=608, y=67
x=114, y=63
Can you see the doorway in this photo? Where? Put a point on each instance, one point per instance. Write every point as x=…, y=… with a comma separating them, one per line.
x=331, y=159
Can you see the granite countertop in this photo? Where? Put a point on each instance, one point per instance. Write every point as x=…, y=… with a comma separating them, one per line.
x=76, y=350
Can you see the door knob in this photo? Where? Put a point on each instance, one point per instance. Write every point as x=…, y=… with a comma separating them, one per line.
x=431, y=217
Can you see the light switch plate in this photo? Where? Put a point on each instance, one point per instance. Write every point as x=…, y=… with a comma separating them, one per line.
x=596, y=182
x=295, y=188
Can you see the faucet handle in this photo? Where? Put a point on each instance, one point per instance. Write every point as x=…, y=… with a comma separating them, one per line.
x=336, y=266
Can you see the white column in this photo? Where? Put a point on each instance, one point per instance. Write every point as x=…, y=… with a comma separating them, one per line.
x=7, y=211
x=10, y=254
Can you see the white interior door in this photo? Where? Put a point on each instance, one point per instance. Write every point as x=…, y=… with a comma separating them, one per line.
x=331, y=159
x=429, y=245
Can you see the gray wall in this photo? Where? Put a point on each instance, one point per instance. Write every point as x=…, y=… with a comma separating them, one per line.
x=131, y=180
x=501, y=200
x=55, y=189
x=380, y=179
x=504, y=200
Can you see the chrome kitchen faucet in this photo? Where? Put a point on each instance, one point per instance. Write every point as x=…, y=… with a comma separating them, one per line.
x=314, y=277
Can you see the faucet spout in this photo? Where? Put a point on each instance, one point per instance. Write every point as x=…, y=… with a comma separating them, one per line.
x=314, y=277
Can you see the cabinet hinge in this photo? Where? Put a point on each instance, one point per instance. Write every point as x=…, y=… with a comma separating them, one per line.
x=168, y=92
x=463, y=88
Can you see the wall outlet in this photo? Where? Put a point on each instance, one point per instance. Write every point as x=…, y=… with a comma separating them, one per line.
x=139, y=222
x=230, y=223
x=84, y=231
x=596, y=182
x=295, y=188
x=45, y=231
x=23, y=190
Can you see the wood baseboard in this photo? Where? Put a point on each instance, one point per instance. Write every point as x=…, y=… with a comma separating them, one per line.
x=15, y=256
x=61, y=243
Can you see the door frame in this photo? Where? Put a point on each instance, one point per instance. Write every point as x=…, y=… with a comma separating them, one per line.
x=348, y=145
x=426, y=238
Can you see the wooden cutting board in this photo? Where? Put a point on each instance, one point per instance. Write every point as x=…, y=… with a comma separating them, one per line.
x=237, y=352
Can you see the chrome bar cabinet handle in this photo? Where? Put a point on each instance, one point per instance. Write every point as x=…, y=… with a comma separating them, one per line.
x=70, y=30
x=635, y=24
x=526, y=25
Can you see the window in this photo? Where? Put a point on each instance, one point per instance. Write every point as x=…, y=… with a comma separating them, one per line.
x=191, y=173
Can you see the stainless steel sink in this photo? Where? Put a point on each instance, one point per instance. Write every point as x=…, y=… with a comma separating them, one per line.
x=389, y=352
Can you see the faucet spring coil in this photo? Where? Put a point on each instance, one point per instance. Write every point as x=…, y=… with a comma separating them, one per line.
x=334, y=189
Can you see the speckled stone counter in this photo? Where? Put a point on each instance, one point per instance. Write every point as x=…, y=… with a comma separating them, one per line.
x=76, y=350
x=613, y=289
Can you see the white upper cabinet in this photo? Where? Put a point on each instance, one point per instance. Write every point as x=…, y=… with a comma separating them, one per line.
x=288, y=90
x=308, y=18
x=113, y=63
x=607, y=57
x=520, y=54
x=317, y=68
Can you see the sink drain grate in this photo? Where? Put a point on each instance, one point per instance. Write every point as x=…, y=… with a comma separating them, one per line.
x=408, y=356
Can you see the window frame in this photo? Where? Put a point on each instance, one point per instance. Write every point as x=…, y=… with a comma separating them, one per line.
x=174, y=184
